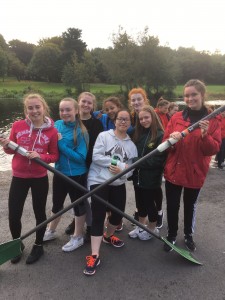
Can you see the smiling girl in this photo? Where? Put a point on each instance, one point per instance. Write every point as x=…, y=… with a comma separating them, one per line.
x=39, y=137
x=73, y=147
x=113, y=152
x=188, y=160
x=147, y=178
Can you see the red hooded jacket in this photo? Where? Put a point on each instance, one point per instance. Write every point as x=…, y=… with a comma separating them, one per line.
x=188, y=160
x=163, y=118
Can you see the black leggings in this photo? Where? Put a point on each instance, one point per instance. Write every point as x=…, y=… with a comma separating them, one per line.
x=146, y=202
x=173, y=195
x=60, y=190
x=17, y=195
x=115, y=195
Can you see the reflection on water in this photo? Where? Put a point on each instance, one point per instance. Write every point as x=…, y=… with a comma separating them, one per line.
x=12, y=110
x=5, y=160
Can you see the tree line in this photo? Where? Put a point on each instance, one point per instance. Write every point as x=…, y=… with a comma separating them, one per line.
x=130, y=62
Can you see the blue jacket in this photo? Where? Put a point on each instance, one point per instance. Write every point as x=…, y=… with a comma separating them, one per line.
x=106, y=122
x=71, y=157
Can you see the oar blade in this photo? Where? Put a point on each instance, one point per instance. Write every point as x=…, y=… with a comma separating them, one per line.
x=186, y=254
x=10, y=250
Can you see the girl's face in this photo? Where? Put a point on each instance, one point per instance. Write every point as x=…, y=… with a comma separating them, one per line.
x=164, y=109
x=122, y=121
x=111, y=109
x=86, y=104
x=173, y=110
x=137, y=101
x=35, y=110
x=145, y=119
x=67, y=111
x=193, y=98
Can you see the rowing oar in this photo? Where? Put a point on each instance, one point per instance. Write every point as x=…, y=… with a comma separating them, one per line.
x=12, y=248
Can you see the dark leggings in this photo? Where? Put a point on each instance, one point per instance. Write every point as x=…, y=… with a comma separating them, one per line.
x=221, y=153
x=158, y=196
x=115, y=195
x=173, y=195
x=146, y=202
x=17, y=195
x=60, y=190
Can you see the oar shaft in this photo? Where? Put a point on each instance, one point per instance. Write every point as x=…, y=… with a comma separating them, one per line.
x=87, y=195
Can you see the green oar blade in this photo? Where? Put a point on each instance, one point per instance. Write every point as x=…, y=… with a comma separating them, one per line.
x=186, y=254
x=10, y=250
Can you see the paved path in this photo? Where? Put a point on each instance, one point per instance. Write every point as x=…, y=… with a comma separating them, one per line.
x=140, y=270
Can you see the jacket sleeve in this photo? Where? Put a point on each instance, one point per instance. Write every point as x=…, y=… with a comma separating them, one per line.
x=53, y=151
x=210, y=143
x=12, y=137
x=79, y=152
x=99, y=157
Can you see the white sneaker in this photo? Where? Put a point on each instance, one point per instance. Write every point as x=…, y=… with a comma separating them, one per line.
x=134, y=233
x=74, y=243
x=49, y=235
x=144, y=235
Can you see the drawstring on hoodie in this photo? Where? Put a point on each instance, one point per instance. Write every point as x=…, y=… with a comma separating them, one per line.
x=47, y=123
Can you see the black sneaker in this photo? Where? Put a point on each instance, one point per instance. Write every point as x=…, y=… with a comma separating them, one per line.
x=113, y=240
x=159, y=223
x=70, y=228
x=190, y=244
x=16, y=259
x=92, y=262
x=172, y=240
x=36, y=252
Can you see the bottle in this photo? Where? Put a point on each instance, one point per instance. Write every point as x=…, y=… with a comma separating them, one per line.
x=114, y=160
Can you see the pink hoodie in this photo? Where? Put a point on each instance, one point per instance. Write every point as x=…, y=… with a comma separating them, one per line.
x=42, y=140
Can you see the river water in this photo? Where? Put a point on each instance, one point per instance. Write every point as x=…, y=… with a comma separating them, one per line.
x=12, y=110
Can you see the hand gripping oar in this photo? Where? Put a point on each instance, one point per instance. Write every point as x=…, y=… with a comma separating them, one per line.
x=11, y=249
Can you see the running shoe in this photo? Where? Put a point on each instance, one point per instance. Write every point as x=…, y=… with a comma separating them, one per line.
x=74, y=243
x=92, y=262
x=113, y=240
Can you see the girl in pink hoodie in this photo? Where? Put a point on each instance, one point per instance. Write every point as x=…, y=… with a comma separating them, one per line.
x=39, y=137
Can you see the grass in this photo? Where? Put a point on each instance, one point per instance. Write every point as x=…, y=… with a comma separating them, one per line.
x=12, y=86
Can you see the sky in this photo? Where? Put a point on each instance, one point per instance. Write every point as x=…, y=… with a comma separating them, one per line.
x=177, y=23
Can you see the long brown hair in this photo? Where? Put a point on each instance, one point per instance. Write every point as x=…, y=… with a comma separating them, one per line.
x=155, y=126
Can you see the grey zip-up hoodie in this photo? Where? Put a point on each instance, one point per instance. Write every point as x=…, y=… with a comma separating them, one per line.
x=106, y=146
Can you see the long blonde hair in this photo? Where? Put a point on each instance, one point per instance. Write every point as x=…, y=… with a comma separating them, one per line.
x=78, y=122
x=155, y=125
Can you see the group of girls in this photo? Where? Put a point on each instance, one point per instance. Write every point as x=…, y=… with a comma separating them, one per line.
x=106, y=153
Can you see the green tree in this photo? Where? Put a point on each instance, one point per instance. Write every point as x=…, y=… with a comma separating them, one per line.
x=3, y=44
x=15, y=66
x=45, y=63
x=3, y=63
x=72, y=43
x=23, y=51
x=101, y=73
